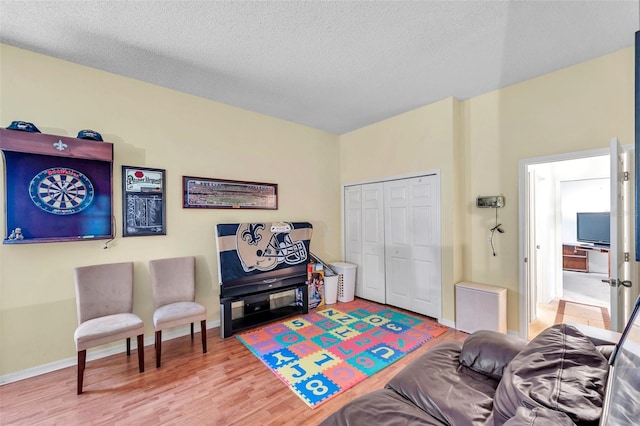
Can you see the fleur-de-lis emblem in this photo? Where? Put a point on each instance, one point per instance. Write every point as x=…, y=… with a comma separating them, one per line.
x=60, y=146
x=251, y=235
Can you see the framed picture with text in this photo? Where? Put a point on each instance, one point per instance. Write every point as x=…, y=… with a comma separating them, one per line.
x=143, y=201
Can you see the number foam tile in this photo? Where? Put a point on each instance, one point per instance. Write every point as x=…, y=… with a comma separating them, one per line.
x=328, y=351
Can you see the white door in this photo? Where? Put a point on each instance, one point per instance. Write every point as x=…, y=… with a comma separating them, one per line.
x=424, y=239
x=621, y=277
x=532, y=257
x=353, y=231
x=373, y=249
x=412, y=239
x=399, y=275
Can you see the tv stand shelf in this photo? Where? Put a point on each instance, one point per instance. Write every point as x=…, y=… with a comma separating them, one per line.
x=257, y=309
x=575, y=258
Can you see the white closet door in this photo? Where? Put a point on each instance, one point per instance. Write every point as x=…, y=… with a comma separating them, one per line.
x=353, y=231
x=398, y=252
x=373, y=250
x=412, y=243
x=424, y=242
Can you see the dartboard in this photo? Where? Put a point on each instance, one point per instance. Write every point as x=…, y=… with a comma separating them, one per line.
x=61, y=191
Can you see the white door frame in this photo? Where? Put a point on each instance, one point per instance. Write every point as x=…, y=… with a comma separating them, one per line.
x=523, y=206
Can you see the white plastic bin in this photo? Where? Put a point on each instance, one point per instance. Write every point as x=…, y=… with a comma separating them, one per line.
x=346, y=280
x=331, y=289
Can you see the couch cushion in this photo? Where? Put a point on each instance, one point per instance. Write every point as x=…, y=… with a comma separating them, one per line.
x=559, y=369
x=539, y=416
x=488, y=352
x=451, y=392
x=606, y=350
x=381, y=407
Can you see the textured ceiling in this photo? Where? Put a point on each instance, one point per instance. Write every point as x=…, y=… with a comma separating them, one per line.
x=332, y=65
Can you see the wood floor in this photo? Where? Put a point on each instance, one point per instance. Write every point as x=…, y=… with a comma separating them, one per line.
x=226, y=386
x=588, y=300
x=559, y=311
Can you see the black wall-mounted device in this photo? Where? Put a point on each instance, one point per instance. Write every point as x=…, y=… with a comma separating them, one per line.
x=492, y=201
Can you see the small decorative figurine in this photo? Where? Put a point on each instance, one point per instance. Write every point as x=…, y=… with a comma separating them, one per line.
x=16, y=234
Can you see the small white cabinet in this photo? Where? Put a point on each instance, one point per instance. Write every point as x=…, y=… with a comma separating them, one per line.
x=480, y=307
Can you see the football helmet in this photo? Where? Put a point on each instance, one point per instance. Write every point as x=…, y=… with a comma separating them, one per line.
x=264, y=246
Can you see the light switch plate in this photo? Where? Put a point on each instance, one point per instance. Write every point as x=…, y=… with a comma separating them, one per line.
x=492, y=201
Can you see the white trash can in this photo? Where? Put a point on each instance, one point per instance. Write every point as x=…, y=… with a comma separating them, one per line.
x=330, y=289
x=346, y=280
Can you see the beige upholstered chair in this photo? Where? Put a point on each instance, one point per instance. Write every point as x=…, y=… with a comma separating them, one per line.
x=173, y=284
x=104, y=298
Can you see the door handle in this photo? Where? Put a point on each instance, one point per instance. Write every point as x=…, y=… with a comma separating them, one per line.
x=614, y=282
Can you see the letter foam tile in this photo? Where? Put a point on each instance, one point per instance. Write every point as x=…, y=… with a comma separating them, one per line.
x=330, y=350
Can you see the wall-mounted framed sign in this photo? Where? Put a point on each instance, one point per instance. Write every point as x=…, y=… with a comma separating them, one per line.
x=143, y=201
x=207, y=193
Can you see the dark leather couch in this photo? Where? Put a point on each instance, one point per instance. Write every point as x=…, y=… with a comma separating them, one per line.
x=492, y=379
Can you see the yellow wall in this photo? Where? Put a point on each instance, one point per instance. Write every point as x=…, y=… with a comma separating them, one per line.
x=153, y=127
x=476, y=145
x=574, y=109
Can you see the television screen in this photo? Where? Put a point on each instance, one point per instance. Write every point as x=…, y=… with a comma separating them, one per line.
x=593, y=228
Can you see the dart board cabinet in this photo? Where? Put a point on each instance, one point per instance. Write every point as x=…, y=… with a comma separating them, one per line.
x=56, y=188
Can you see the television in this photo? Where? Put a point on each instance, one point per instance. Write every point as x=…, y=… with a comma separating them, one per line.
x=593, y=227
x=258, y=257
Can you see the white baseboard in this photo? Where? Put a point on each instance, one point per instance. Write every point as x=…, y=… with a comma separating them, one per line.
x=96, y=354
x=448, y=323
x=452, y=324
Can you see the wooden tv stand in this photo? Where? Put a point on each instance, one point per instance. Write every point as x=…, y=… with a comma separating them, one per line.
x=575, y=257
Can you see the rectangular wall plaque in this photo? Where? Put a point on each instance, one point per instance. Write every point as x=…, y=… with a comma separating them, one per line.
x=143, y=201
x=206, y=193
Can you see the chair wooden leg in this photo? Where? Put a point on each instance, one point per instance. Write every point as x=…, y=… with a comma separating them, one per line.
x=191, y=331
x=141, y=352
x=203, y=331
x=128, y=346
x=158, y=347
x=82, y=359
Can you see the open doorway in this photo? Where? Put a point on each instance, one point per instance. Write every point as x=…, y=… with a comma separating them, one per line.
x=567, y=268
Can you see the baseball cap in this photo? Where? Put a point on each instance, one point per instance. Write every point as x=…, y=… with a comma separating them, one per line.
x=90, y=134
x=23, y=126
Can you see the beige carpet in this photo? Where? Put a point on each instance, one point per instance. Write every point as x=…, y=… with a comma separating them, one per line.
x=596, y=316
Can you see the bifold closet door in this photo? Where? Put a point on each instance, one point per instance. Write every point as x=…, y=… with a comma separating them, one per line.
x=412, y=244
x=364, y=238
x=373, y=260
x=353, y=231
